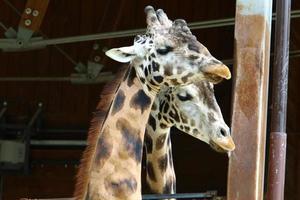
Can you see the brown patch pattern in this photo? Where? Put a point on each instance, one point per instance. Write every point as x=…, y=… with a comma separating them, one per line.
x=131, y=140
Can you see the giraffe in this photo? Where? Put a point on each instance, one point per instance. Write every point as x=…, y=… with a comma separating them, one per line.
x=167, y=55
x=192, y=109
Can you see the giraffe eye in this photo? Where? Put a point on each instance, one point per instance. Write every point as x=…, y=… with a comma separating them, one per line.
x=186, y=97
x=164, y=50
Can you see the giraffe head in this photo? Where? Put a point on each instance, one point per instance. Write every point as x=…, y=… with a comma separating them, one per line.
x=193, y=109
x=169, y=54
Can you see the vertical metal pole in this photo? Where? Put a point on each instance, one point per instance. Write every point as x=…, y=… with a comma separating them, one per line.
x=277, y=153
x=250, y=98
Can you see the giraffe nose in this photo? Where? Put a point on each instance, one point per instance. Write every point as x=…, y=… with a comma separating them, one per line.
x=224, y=140
x=226, y=143
x=217, y=68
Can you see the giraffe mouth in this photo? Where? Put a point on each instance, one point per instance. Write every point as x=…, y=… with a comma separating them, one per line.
x=223, y=145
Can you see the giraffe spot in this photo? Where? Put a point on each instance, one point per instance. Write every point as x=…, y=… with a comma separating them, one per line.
x=131, y=141
x=154, y=106
x=195, y=131
x=163, y=126
x=152, y=122
x=119, y=102
x=168, y=97
x=193, y=47
x=184, y=119
x=152, y=82
x=146, y=72
x=165, y=118
x=193, y=57
x=148, y=142
x=174, y=81
x=187, y=129
x=168, y=70
x=153, y=19
x=150, y=171
x=155, y=66
x=149, y=88
x=211, y=117
x=131, y=77
x=173, y=113
x=160, y=141
x=185, y=78
x=103, y=149
x=166, y=108
x=158, y=79
x=140, y=100
x=149, y=68
x=163, y=163
x=153, y=55
x=142, y=80
x=169, y=187
x=122, y=187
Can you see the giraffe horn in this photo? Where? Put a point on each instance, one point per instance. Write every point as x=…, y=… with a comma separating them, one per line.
x=180, y=24
x=163, y=18
x=151, y=17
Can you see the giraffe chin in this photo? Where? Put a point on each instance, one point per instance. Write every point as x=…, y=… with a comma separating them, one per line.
x=223, y=145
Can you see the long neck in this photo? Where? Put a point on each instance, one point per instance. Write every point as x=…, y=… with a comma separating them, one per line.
x=160, y=174
x=115, y=165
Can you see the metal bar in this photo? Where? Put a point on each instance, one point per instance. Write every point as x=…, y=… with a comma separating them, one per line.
x=126, y=33
x=250, y=98
x=35, y=116
x=6, y=79
x=80, y=143
x=177, y=196
x=103, y=77
x=277, y=152
x=157, y=196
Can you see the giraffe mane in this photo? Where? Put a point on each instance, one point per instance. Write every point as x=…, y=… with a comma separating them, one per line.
x=107, y=96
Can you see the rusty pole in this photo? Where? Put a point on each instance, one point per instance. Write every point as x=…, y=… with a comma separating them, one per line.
x=250, y=98
x=277, y=153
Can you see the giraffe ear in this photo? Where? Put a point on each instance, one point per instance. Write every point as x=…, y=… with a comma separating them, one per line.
x=122, y=54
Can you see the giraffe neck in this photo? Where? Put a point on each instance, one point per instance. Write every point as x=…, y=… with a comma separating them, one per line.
x=114, y=170
x=160, y=174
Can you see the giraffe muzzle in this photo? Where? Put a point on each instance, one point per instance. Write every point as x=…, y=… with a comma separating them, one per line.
x=223, y=144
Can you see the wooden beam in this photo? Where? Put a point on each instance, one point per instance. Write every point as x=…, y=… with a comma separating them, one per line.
x=250, y=97
x=33, y=14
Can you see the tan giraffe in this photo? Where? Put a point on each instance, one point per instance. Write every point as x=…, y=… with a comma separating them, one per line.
x=192, y=109
x=168, y=54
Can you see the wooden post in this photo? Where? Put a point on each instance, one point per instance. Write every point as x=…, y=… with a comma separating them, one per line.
x=250, y=97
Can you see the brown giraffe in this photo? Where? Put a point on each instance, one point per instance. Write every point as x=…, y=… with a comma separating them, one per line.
x=192, y=109
x=167, y=55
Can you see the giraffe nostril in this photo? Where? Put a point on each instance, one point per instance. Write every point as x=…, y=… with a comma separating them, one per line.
x=223, y=132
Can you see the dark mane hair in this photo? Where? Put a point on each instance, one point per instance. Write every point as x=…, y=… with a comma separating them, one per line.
x=106, y=98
